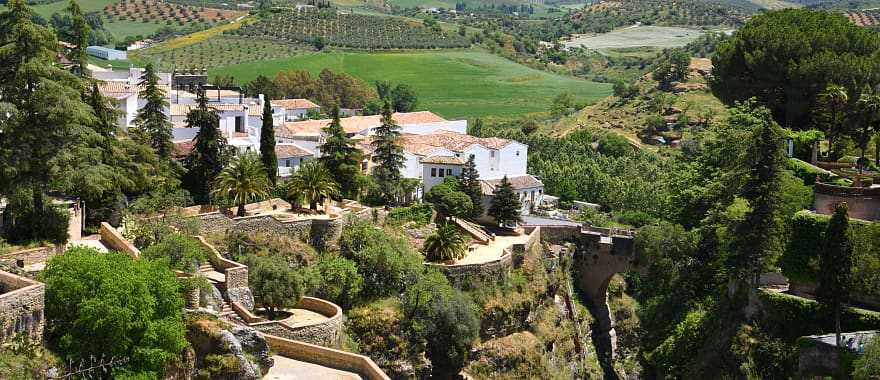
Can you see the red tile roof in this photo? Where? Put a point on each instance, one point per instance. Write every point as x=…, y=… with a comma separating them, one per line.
x=518, y=182
x=295, y=104
x=291, y=150
x=356, y=124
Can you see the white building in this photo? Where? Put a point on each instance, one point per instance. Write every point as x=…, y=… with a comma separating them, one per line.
x=437, y=168
x=529, y=189
x=295, y=109
x=106, y=53
x=291, y=157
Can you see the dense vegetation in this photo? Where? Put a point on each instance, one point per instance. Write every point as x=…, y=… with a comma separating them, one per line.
x=349, y=30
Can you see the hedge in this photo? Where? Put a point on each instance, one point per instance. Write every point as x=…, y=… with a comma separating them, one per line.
x=800, y=261
x=790, y=317
x=807, y=172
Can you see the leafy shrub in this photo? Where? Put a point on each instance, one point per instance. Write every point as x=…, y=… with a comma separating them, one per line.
x=420, y=214
x=790, y=317
x=182, y=252
x=276, y=286
x=336, y=279
x=387, y=262
x=807, y=172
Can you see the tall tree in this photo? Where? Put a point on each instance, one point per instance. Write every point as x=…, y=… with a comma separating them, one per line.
x=505, y=206
x=835, y=263
x=49, y=117
x=312, y=181
x=210, y=152
x=469, y=182
x=267, y=143
x=756, y=235
x=340, y=156
x=388, y=156
x=151, y=121
x=404, y=98
x=869, y=112
x=81, y=39
x=832, y=103
x=243, y=181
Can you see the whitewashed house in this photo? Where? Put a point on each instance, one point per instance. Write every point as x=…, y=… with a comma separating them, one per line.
x=291, y=157
x=295, y=109
x=529, y=189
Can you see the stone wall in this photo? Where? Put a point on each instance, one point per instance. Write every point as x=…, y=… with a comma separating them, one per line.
x=808, y=290
x=32, y=256
x=327, y=357
x=321, y=233
x=863, y=203
x=21, y=306
x=491, y=270
x=114, y=240
x=326, y=333
x=236, y=285
x=325, y=232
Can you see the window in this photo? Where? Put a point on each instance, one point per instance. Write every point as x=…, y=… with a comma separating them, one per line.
x=492, y=154
x=517, y=153
x=448, y=171
x=441, y=173
x=457, y=155
x=300, y=160
x=433, y=172
x=471, y=156
x=288, y=163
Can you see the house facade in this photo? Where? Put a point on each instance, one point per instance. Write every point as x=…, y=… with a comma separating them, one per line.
x=295, y=109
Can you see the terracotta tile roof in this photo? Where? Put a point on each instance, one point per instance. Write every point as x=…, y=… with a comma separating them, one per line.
x=518, y=182
x=356, y=124
x=294, y=104
x=122, y=90
x=181, y=149
x=291, y=150
x=445, y=160
x=222, y=93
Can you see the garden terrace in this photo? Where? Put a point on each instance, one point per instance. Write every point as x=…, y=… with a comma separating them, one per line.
x=157, y=11
x=863, y=202
x=350, y=31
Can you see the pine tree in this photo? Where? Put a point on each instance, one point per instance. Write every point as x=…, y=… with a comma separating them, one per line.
x=340, y=156
x=835, y=265
x=81, y=39
x=50, y=118
x=267, y=143
x=756, y=235
x=470, y=185
x=151, y=120
x=505, y=206
x=388, y=156
x=210, y=152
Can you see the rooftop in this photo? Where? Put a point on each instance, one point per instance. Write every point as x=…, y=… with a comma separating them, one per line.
x=355, y=124
x=427, y=145
x=183, y=109
x=518, y=182
x=294, y=103
x=291, y=150
x=444, y=160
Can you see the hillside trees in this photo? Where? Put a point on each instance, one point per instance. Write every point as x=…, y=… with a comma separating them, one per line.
x=108, y=304
x=328, y=89
x=830, y=114
x=388, y=157
x=835, y=259
x=267, y=143
x=340, y=156
x=769, y=59
x=80, y=38
x=210, y=152
x=449, y=199
x=671, y=66
x=151, y=121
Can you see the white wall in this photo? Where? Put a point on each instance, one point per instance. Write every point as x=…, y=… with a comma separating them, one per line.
x=411, y=166
x=513, y=159
x=431, y=181
x=485, y=161
x=129, y=107
x=293, y=163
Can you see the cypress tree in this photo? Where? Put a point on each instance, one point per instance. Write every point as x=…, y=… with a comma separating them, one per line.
x=470, y=185
x=835, y=266
x=151, y=121
x=340, y=156
x=505, y=206
x=210, y=152
x=387, y=155
x=81, y=39
x=267, y=143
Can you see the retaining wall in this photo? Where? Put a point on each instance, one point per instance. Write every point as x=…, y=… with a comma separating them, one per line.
x=236, y=285
x=32, y=256
x=327, y=357
x=114, y=240
x=319, y=232
x=863, y=203
x=21, y=306
x=326, y=333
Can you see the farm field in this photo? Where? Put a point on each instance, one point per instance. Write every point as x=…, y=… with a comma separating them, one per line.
x=217, y=51
x=46, y=10
x=452, y=83
x=635, y=36
x=868, y=17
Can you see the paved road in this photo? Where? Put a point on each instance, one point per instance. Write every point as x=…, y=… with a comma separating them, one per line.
x=530, y=220
x=289, y=369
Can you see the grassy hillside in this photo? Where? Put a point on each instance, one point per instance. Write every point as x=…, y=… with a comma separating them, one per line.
x=455, y=84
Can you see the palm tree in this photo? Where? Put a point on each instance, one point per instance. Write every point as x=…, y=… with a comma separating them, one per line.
x=244, y=180
x=869, y=105
x=445, y=244
x=312, y=181
x=834, y=99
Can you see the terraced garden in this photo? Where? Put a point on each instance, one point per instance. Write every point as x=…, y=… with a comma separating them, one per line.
x=351, y=31
x=216, y=51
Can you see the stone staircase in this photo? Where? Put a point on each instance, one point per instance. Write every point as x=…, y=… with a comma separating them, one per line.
x=226, y=311
x=206, y=267
x=475, y=230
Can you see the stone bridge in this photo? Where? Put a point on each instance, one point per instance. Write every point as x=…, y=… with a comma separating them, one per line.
x=599, y=254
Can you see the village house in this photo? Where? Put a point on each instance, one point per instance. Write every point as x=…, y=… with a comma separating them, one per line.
x=295, y=109
x=290, y=157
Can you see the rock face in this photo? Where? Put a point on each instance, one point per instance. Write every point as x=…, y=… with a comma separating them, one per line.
x=210, y=298
x=223, y=353
x=242, y=295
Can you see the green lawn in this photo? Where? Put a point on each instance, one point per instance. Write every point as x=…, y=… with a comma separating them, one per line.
x=454, y=84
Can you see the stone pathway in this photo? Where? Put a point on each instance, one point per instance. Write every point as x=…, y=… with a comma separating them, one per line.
x=290, y=369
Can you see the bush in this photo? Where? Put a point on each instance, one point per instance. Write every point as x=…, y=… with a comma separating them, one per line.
x=275, y=285
x=387, y=262
x=336, y=279
x=808, y=173
x=790, y=317
x=420, y=214
x=614, y=145
x=107, y=304
x=182, y=252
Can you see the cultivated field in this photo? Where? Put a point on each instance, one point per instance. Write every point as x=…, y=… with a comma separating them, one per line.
x=351, y=31
x=455, y=84
x=161, y=12
x=868, y=17
x=635, y=36
x=217, y=51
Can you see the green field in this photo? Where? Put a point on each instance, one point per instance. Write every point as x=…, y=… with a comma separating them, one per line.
x=454, y=84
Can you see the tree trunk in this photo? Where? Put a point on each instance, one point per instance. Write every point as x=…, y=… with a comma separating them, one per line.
x=837, y=325
x=240, y=211
x=313, y=204
x=39, y=204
